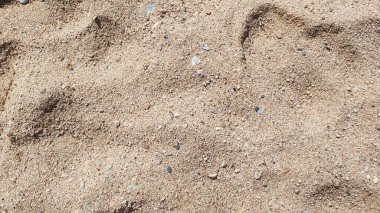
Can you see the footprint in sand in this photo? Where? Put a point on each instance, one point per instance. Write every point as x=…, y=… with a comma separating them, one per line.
x=302, y=62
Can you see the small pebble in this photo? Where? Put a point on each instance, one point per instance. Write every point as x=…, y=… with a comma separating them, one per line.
x=237, y=171
x=297, y=191
x=132, y=188
x=205, y=46
x=23, y=1
x=177, y=146
x=213, y=176
x=375, y=180
x=176, y=114
x=43, y=91
x=61, y=57
x=145, y=146
x=258, y=175
x=117, y=124
x=149, y=10
x=169, y=169
x=109, y=167
x=157, y=161
x=223, y=165
x=260, y=110
x=218, y=128
x=195, y=61
x=200, y=72
x=82, y=184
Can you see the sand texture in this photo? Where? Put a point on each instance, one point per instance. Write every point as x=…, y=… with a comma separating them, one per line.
x=190, y=106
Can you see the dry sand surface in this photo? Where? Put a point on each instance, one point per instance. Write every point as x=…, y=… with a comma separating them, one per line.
x=190, y=106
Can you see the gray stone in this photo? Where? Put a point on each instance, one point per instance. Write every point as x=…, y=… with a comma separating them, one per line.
x=109, y=167
x=200, y=72
x=169, y=169
x=23, y=1
x=260, y=110
x=149, y=10
x=82, y=184
x=195, y=61
x=258, y=175
x=205, y=46
x=177, y=146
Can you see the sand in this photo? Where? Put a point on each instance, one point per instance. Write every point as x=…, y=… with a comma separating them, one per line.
x=103, y=109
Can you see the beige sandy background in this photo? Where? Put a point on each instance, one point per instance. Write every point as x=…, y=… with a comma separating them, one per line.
x=190, y=106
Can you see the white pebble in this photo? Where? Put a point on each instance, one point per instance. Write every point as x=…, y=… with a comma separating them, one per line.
x=205, y=46
x=23, y=1
x=375, y=180
x=195, y=61
x=200, y=72
x=258, y=175
x=218, y=128
x=213, y=176
x=82, y=184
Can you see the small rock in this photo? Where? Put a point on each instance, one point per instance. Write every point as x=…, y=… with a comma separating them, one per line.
x=223, y=165
x=109, y=166
x=177, y=146
x=23, y=1
x=297, y=190
x=82, y=184
x=43, y=91
x=375, y=180
x=132, y=188
x=260, y=110
x=117, y=124
x=157, y=161
x=205, y=46
x=258, y=175
x=147, y=106
x=61, y=57
x=218, y=128
x=149, y=10
x=200, y=72
x=195, y=61
x=169, y=169
x=176, y=114
x=159, y=47
x=237, y=171
x=213, y=176
x=145, y=145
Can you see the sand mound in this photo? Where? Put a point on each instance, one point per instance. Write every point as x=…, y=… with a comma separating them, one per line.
x=189, y=106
